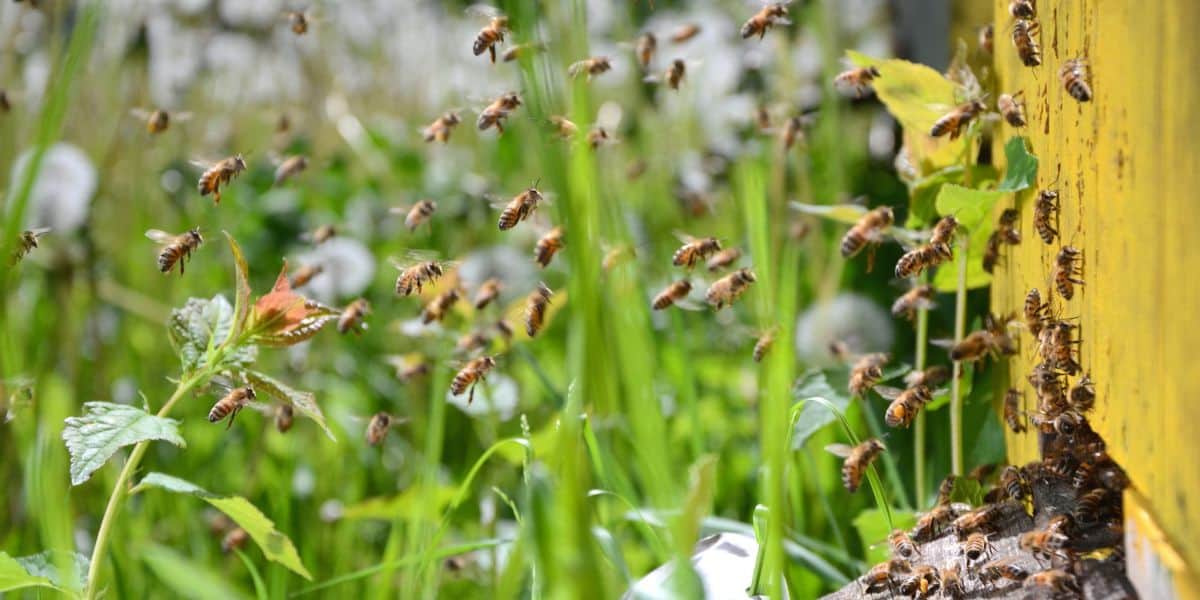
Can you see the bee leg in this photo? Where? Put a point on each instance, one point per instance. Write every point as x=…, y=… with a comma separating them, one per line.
x=492, y=51
x=871, y=258
x=499, y=126
x=471, y=394
x=232, y=416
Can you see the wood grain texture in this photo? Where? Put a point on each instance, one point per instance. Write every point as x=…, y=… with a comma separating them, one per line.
x=1128, y=172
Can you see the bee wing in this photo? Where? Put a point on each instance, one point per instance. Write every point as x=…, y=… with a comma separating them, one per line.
x=943, y=343
x=181, y=116
x=399, y=210
x=609, y=116
x=485, y=11
x=160, y=236
x=139, y=113
x=652, y=79
x=39, y=231
x=684, y=236
x=888, y=392
x=841, y=450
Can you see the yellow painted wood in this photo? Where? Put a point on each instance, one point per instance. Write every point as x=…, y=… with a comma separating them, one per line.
x=1127, y=166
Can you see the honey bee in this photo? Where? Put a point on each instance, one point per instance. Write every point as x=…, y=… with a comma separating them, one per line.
x=438, y=307
x=289, y=168
x=219, y=174
x=974, y=347
x=175, y=248
x=932, y=523
x=29, y=240
x=520, y=207
x=504, y=329
x=858, y=79
x=694, y=250
x=378, y=427
x=472, y=341
x=644, y=48
x=1066, y=271
x=234, y=540
x=674, y=75
x=1007, y=227
x=914, y=261
x=902, y=545
x=407, y=369
x=920, y=297
x=957, y=120
x=685, y=33
x=565, y=127
x=516, y=52
x=881, y=576
x=1074, y=76
x=952, y=585
x=763, y=345
x=1014, y=484
x=991, y=252
x=1083, y=394
x=905, y=404
x=946, y=489
x=472, y=373
x=921, y=584
x=591, y=66
x=930, y=377
x=492, y=33
x=866, y=372
x=1056, y=581
x=858, y=459
x=535, y=309
x=352, y=317
x=1012, y=411
x=1056, y=346
x=1035, y=312
x=767, y=17
x=496, y=112
x=419, y=214
x=673, y=293
x=728, y=288
x=1043, y=544
x=1023, y=9
x=981, y=519
x=5, y=103
x=1045, y=215
x=320, y=235
x=868, y=230
x=987, y=42
x=416, y=275
x=1091, y=506
x=1012, y=109
x=285, y=416
x=723, y=259
x=488, y=291
x=597, y=137
x=1023, y=35
x=305, y=274
x=547, y=246
x=1002, y=568
x=231, y=404
x=298, y=20
x=793, y=129
x=441, y=128
x=157, y=121
x=981, y=472
x=976, y=547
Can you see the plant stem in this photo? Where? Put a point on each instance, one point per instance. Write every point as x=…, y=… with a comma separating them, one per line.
x=119, y=491
x=960, y=318
x=919, y=430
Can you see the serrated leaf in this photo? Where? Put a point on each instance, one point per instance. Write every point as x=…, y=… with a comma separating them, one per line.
x=185, y=577
x=241, y=306
x=42, y=565
x=814, y=416
x=13, y=575
x=305, y=402
x=276, y=546
x=1022, y=168
x=872, y=527
x=923, y=194
x=104, y=428
x=201, y=325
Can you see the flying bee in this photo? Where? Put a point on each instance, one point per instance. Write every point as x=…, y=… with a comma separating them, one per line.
x=1012, y=109
x=1012, y=411
x=1066, y=271
x=475, y=340
x=957, y=120
x=858, y=79
x=728, y=288
x=1083, y=394
x=767, y=17
x=175, y=248
x=409, y=368
x=1023, y=9
x=235, y=539
x=320, y=235
x=441, y=304
x=952, y=584
x=564, y=127
x=352, y=317
x=29, y=240
x=496, y=112
x=591, y=66
x=866, y=372
x=723, y=259
x=520, y=207
x=597, y=137
x=290, y=167
x=868, y=231
x=991, y=252
x=1074, y=76
x=516, y=52
x=418, y=214
x=231, y=404
x=285, y=417
x=535, y=309
x=488, y=291
x=1023, y=34
x=918, y=259
x=694, y=250
x=5, y=103
x=793, y=129
x=902, y=545
x=981, y=472
x=920, y=297
x=1002, y=568
x=857, y=460
x=644, y=49
x=932, y=523
x=763, y=344
x=492, y=33
x=1043, y=544
x=930, y=377
x=685, y=33
x=305, y=274
x=1056, y=581
x=298, y=20
x=673, y=293
x=987, y=39
x=379, y=426
x=417, y=273
x=673, y=76
x=905, y=404
x=441, y=128
x=158, y=120
x=1007, y=227
x=473, y=372
x=1045, y=215
x=978, y=344
x=504, y=329
x=218, y=174
x=547, y=246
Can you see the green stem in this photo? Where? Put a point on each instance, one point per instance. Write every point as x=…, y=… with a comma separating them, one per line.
x=919, y=430
x=119, y=491
x=960, y=318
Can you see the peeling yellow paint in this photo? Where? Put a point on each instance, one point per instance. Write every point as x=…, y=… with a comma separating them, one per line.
x=1127, y=167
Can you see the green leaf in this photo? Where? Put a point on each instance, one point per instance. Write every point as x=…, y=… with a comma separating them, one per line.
x=814, y=416
x=923, y=193
x=941, y=396
x=873, y=530
x=305, y=402
x=971, y=207
x=435, y=498
x=241, y=308
x=104, y=428
x=14, y=576
x=842, y=213
x=201, y=325
x=187, y=578
x=275, y=546
x=43, y=564
x=1022, y=166
x=967, y=490
x=612, y=551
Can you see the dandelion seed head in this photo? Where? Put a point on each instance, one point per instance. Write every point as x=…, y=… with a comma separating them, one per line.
x=850, y=318
x=62, y=189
